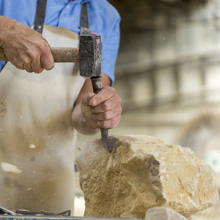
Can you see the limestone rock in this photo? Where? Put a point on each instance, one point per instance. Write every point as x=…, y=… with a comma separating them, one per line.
x=143, y=172
x=162, y=213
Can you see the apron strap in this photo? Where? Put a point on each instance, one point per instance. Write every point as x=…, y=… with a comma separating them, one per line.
x=41, y=11
x=40, y=16
x=84, y=21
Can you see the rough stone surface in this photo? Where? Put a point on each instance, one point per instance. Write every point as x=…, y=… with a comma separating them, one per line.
x=143, y=172
x=163, y=213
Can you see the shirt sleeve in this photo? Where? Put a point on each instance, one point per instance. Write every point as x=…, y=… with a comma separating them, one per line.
x=110, y=52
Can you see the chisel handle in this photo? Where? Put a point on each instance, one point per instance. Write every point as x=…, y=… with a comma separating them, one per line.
x=97, y=86
x=60, y=54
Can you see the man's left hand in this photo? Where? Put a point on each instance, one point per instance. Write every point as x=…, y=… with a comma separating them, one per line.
x=103, y=109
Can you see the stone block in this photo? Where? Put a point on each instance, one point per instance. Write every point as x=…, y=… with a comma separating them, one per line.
x=143, y=172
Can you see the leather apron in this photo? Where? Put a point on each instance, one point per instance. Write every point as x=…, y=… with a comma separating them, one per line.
x=35, y=110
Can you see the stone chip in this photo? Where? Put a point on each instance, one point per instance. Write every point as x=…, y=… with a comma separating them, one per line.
x=143, y=172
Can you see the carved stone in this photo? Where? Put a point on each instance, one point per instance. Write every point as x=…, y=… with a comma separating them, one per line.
x=143, y=172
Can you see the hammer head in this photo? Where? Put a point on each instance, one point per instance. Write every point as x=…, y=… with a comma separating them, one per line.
x=90, y=55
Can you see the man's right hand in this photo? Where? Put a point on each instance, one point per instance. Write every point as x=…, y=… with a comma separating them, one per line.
x=24, y=47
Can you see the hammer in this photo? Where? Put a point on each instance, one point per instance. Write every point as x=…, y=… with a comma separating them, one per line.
x=89, y=57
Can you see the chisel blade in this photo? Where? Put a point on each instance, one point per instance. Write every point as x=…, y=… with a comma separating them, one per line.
x=105, y=140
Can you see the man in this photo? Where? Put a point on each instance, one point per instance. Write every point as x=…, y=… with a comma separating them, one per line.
x=37, y=116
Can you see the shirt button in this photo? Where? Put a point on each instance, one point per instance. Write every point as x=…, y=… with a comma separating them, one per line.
x=67, y=6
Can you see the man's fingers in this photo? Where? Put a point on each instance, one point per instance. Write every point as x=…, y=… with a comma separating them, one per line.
x=46, y=58
x=37, y=66
x=107, y=115
x=22, y=62
x=109, y=123
x=28, y=67
x=107, y=105
x=103, y=109
x=105, y=94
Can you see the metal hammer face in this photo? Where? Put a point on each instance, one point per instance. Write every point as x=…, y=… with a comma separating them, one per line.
x=90, y=55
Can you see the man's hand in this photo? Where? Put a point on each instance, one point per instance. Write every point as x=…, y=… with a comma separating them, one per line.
x=103, y=109
x=93, y=111
x=24, y=47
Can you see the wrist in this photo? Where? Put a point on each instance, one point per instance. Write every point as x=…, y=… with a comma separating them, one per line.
x=3, y=32
x=83, y=123
x=6, y=25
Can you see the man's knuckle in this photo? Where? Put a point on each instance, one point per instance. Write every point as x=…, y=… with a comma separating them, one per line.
x=104, y=93
x=31, y=54
x=107, y=115
x=119, y=100
x=44, y=47
x=112, y=123
x=26, y=62
x=119, y=109
x=39, y=44
x=34, y=55
x=115, y=121
x=105, y=106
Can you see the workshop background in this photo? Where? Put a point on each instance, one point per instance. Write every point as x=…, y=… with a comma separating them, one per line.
x=168, y=75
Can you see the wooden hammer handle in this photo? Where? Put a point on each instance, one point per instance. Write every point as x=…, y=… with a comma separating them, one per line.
x=60, y=54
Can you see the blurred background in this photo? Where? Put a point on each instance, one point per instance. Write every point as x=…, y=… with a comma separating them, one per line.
x=168, y=74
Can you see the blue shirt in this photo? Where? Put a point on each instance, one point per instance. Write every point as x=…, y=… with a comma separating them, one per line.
x=103, y=20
